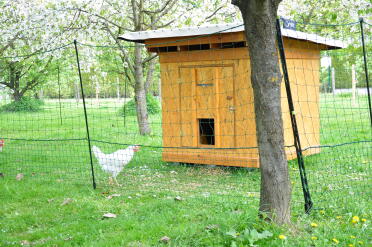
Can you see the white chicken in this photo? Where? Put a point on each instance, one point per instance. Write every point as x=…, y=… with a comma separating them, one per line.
x=115, y=162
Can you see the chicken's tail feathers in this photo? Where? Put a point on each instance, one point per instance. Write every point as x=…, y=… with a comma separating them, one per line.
x=96, y=151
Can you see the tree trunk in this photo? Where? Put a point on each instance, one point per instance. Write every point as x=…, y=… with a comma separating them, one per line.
x=17, y=95
x=15, y=77
x=140, y=93
x=150, y=74
x=259, y=19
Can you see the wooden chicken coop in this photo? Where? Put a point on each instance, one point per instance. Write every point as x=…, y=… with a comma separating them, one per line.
x=207, y=99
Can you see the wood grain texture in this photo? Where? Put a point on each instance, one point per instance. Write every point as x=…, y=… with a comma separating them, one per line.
x=228, y=99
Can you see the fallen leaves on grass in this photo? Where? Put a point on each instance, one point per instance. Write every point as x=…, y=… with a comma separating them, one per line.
x=25, y=242
x=19, y=176
x=112, y=196
x=68, y=238
x=211, y=227
x=67, y=201
x=178, y=198
x=109, y=216
x=165, y=239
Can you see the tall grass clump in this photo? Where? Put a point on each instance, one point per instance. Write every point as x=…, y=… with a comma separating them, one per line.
x=129, y=109
x=25, y=104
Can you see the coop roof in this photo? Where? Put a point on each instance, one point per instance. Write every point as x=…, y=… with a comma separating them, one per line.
x=142, y=36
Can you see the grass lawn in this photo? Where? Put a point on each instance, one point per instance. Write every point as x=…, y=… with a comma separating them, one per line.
x=54, y=204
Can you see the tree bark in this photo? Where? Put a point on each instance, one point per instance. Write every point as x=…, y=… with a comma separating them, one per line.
x=139, y=90
x=17, y=95
x=259, y=19
x=14, y=85
x=150, y=74
x=140, y=93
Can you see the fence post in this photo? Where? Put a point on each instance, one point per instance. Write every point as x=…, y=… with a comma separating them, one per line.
x=297, y=143
x=85, y=114
x=366, y=68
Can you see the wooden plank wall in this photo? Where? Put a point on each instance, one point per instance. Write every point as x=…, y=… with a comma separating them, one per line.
x=230, y=102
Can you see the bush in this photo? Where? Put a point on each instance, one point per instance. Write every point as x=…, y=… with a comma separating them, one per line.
x=153, y=106
x=25, y=104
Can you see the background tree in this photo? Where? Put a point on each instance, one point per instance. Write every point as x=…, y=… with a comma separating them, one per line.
x=114, y=17
x=260, y=28
x=328, y=13
x=30, y=27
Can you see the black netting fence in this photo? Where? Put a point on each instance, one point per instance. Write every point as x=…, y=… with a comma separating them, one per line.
x=198, y=130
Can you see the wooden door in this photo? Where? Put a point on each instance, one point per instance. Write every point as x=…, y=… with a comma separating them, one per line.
x=207, y=94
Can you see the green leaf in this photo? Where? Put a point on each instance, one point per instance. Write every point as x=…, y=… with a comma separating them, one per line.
x=264, y=234
x=231, y=233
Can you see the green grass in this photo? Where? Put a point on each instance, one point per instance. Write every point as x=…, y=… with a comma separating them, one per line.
x=217, y=205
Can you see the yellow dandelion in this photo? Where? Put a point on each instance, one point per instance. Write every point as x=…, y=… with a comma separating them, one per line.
x=322, y=211
x=338, y=217
x=335, y=240
x=350, y=245
x=360, y=242
x=314, y=224
x=355, y=220
x=364, y=220
x=314, y=238
x=352, y=236
x=282, y=237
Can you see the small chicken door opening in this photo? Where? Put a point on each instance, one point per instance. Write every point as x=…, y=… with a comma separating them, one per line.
x=206, y=131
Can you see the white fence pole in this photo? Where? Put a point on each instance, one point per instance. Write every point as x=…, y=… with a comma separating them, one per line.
x=333, y=82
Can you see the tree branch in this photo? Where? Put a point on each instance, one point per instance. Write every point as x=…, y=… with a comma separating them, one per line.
x=10, y=43
x=166, y=11
x=213, y=14
x=99, y=17
x=123, y=51
x=150, y=12
x=148, y=59
x=5, y=83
